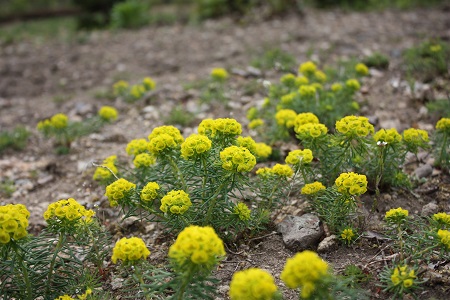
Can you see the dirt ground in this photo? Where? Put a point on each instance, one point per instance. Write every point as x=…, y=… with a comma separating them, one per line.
x=39, y=78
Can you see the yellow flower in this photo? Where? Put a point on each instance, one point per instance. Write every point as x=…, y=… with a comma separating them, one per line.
x=263, y=150
x=362, y=69
x=130, y=250
x=149, y=192
x=305, y=118
x=148, y=83
x=308, y=68
x=299, y=157
x=118, y=190
x=444, y=236
x=336, y=87
x=68, y=211
x=161, y=143
x=441, y=218
x=108, y=113
x=304, y=270
x=320, y=76
x=288, y=80
x=301, y=80
x=288, y=98
x=396, y=214
x=443, y=125
x=353, y=126
x=252, y=113
x=256, y=123
x=348, y=235
x=59, y=121
x=64, y=297
x=219, y=74
x=227, y=127
x=264, y=172
x=196, y=245
x=285, y=117
x=311, y=130
x=120, y=88
x=415, y=138
x=237, y=159
x=247, y=142
x=435, y=48
x=13, y=222
x=137, y=146
x=242, y=211
x=252, y=284
x=195, y=145
x=403, y=275
x=387, y=135
x=169, y=130
x=351, y=183
x=307, y=91
x=102, y=173
x=353, y=84
x=137, y=91
x=206, y=127
x=144, y=160
x=175, y=202
x=312, y=188
x=282, y=170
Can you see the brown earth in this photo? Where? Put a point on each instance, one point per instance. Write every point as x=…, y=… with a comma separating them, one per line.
x=42, y=77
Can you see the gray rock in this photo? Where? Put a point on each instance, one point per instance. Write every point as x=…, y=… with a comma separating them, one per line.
x=423, y=171
x=429, y=209
x=328, y=244
x=300, y=233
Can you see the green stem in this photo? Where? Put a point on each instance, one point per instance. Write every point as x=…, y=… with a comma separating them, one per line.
x=213, y=199
x=275, y=187
x=399, y=234
x=24, y=269
x=205, y=172
x=443, y=150
x=138, y=274
x=187, y=276
x=52, y=264
x=381, y=161
x=178, y=173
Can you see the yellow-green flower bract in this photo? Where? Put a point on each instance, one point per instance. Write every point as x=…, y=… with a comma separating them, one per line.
x=305, y=118
x=442, y=218
x=148, y=83
x=242, y=211
x=351, y=183
x=353, y=84
x=415, y=137
x=167, y=129
x=13, y=222
x=353, y=126
x=299, y=157
x=288, y=80
x=336, y=87
x=68, y=210
x=444, y=237
x=247, y=142
x=137, y=91
x=361, y=69
x=312, y=188
x=308, y=68
x=144, y=160
x=196, y=245
x=237, y=159
x=263, y=150
x=108, y=113
x=224, y=126
x=150, y=192
x=79, y=297
x=120, y=88
x=195, y=145
x=443, y=125
x=403, y=275
x=161, y=143
x=137, y=146
x=117, y=190
x=206, y=127
x=282, y=170
x=106, y=172
x=256, y=123
x=396, y=214
x=303, y=271
x=175, y=202
x=285, y=117
x=219, y=74
x=252, y=284
x=311, y=130
x=307, y=91
x=347, y=234
x=130, y=250
x=320, y=76
x=301, y=80
x=59, y=121
x=387, y=135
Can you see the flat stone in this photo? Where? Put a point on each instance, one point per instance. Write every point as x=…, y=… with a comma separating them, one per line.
x=328, y=244
x=301, y=232
x=429, y=209
x=423, y=171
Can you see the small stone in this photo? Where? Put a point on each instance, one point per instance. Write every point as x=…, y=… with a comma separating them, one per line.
x=429, y=209
x=301, y=233
x=116, y=283
x=328, y=244
x=423, y=171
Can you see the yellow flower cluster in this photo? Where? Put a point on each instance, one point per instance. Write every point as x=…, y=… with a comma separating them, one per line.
x=68, y=210
x=227, y=126
x=415, y=137
x=263, y=150
x=264, y=172
x=137, y=91
x=348, y=235
x=305, y=118
x=288, y=80
x=299, y=157
x=353, y=84
x=219, y=74
x=252, y=284
x=130, y=250
x=137, y=146
x=443, y=125
x=435, y=48
x=311, y=130
x=312, y=188
x=120, y=88
x=282, y=170
x=403, y=275
x=242, y=211
x=252, y=113
x=354, y=126
x=117, y=190
x=238, y=159
x=255, y=123
x=108, y=113
x=144, y=160
x=102, y=173
x=301, y=80
x=336, y=87
x=195, y=145
x=442, y=218
x=308, y=68
x=176, y=202
x=288, y=98
x=320, y=76
x=148, y=83
x=13, y=222
x=307, y=91
x=197, y=245
x=169, y=130
x=387, y=135
x=304, y=270
x=207, y=127
x=444, y=237
x=58, y=121
x=362, y=69
x=351, y=183
x=79, y=297
x=160, y=143
x=150, y=192
x=285, y=117
x=396, y=214
x=247, y=142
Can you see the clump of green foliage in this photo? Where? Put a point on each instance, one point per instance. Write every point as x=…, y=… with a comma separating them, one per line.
x=377, y=60
x=15, y=139
x=129, y=14
x=275, y=59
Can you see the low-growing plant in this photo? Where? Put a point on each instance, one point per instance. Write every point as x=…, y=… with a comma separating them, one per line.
x=65, y=132
x=377, y=60
x=275, y=59
x=180, y=116
x=15, y=139
x=441, y=140
x=134, y=92
x=129, y=14
x=213, y=89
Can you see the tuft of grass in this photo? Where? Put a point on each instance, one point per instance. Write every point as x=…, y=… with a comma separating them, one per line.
x=16, y=139
x=377, y=60
x=180, y=116
x=275, y=59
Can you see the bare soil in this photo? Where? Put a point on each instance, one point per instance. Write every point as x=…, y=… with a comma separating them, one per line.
x=39, y=78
